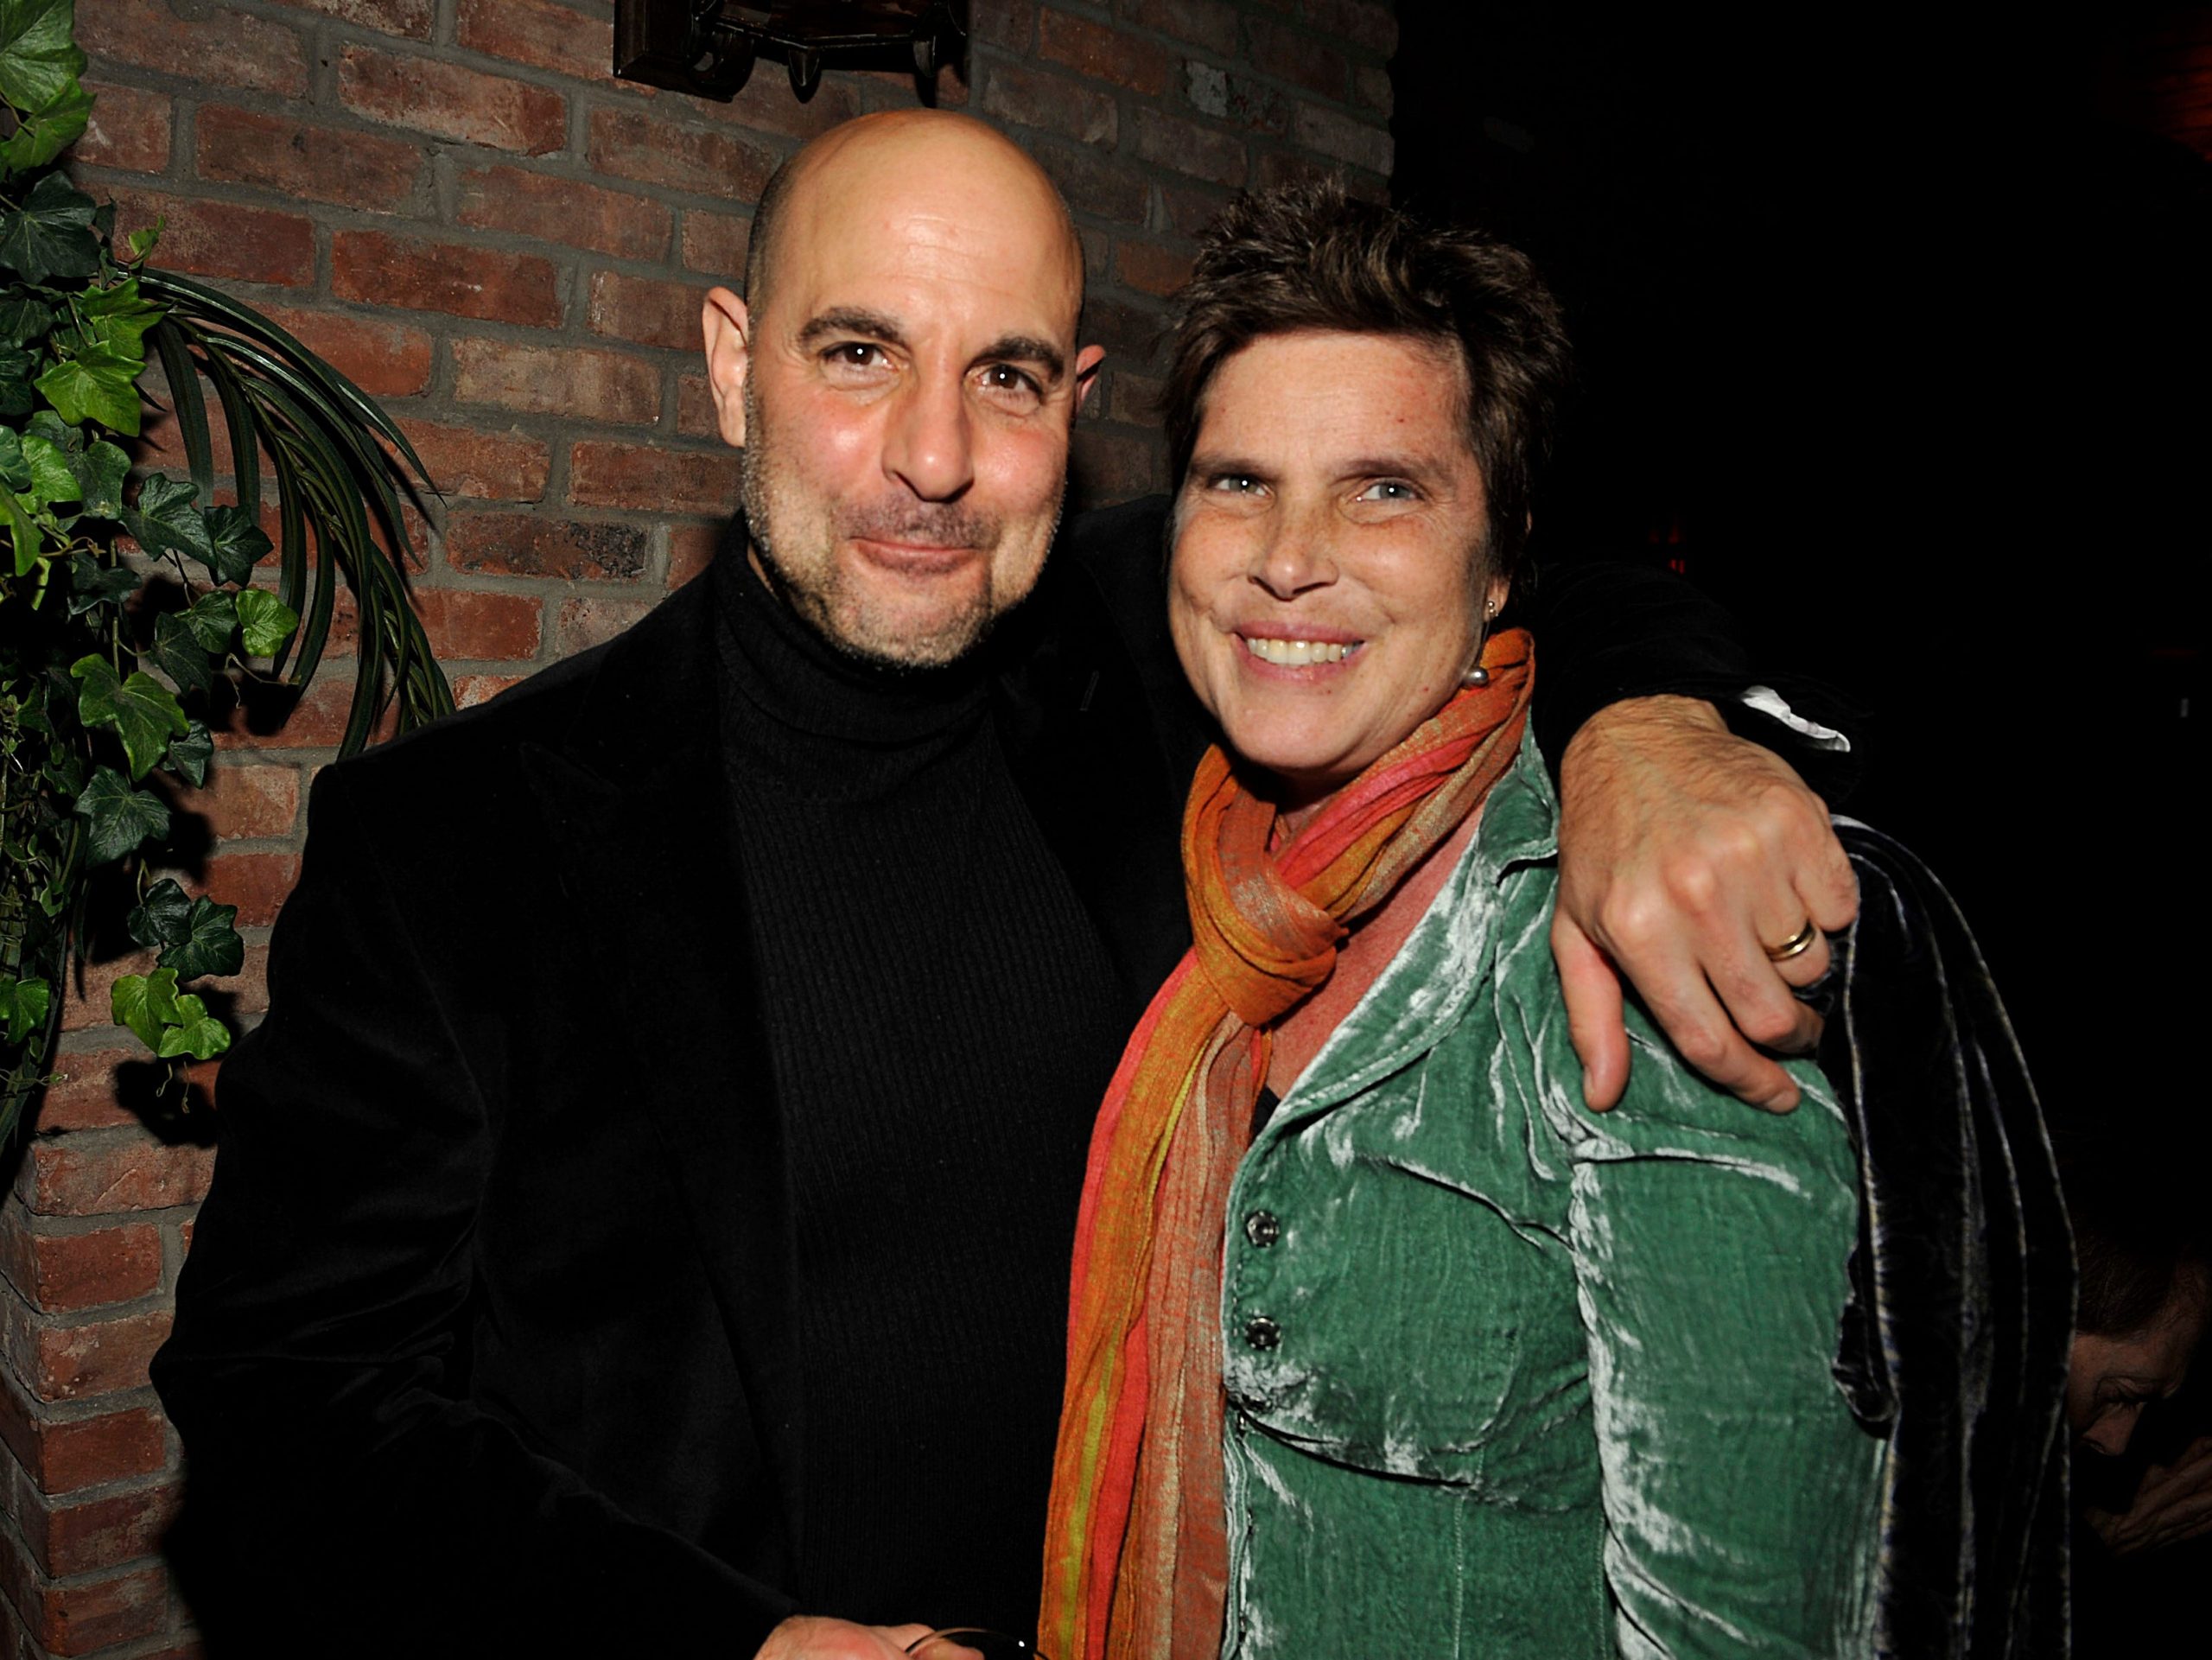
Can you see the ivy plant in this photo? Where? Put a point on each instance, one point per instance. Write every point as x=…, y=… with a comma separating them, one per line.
x=135, y=613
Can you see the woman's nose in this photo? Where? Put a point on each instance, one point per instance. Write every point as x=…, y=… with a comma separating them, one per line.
x=1297, y=554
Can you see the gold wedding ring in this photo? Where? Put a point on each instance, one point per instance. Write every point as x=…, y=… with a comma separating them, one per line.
x=1796, y=945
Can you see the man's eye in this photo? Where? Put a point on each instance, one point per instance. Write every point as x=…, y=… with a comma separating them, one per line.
x=1010, y=383
x=1235, y=484
x=854, y=355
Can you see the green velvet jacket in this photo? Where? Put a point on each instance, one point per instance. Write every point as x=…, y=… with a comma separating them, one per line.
x=1507, y=1378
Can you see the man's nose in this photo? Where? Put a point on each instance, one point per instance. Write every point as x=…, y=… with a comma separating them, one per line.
x=1298, y=553
x=930, y=446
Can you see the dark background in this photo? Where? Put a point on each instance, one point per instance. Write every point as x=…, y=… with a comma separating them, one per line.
x=1894, y=337
x=1893, y=333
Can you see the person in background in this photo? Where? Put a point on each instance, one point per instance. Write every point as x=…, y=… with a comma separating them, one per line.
x=2143, y=1455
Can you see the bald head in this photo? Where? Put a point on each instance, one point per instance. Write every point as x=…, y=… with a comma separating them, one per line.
x=904, y=379
x=901, y=158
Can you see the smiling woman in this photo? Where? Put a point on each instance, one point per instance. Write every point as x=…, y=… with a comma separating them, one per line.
x=1330, y=580
x=1380, y=1343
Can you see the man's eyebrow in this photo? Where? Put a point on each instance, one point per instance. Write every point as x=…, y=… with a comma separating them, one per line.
x=852, y=319
x=1026, y=348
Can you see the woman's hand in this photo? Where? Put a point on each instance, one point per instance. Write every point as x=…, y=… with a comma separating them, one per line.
x=1685, y=855
x=805, y=1636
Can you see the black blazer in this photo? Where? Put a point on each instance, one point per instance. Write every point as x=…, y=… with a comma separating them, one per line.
x=486, y=1342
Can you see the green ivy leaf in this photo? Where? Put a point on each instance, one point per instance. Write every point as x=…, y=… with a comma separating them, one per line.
x=15, y=468
x=198, y=1034
x=236, y=545
x=92, y=583
x=30, y=710
x=20, y=530
x=140, y=242
x=100, y=469
x=121, y=818
x=164, y=916
x=190, y=755
x=144, y=711
x=118, y=316
x=64, y=771
x=46, y=132
x=98, y=383
x=265, y=622
x=165, y=521
x=213, y=618
x=23, y=1004
x=178, y=653
x=210, y=944
x=16, y=396
x=39, y=59
x=50, y=238
x=146, y=1003
x=51, y=478
x=24, y=317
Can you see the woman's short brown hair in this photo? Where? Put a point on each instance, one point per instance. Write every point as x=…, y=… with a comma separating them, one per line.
x=1310, y=257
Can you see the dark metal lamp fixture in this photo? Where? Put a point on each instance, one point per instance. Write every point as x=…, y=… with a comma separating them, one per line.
x=710, y=47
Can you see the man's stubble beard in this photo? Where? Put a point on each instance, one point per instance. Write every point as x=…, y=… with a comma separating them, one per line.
x=821, y=594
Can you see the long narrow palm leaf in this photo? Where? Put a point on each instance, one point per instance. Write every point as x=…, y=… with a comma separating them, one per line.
x=191, y=299
x=336, y=485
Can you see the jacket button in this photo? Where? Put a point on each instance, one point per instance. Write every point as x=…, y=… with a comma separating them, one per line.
x=1262, y=1229
x=1261, y=1332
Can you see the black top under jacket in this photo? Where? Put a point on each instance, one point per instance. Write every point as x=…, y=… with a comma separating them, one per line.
x=530, y=1311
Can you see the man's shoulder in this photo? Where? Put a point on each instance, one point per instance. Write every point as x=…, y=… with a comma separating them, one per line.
x=1123, y=545
x=636, y=681
x=1116, y=558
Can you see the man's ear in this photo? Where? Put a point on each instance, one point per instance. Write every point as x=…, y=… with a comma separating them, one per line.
x=1088, y=362
x=728, y=327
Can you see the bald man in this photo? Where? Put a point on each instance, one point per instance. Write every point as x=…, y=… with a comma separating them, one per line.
x=642, y=1220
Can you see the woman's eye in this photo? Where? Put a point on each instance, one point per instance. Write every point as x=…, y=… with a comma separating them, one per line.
x=1389, y=490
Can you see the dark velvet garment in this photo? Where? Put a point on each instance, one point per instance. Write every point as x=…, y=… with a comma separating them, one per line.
x=1962, y=1303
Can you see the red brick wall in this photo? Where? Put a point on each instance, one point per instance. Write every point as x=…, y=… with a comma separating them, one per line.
x=452, y=201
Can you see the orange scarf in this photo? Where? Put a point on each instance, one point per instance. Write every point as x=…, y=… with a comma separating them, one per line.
x=1136, y=1554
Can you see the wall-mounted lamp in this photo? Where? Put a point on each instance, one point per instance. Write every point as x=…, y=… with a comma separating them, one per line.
x=710, y=47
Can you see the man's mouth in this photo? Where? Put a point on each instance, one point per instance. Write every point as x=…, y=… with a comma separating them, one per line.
x=915, y=558
x=1299, y=654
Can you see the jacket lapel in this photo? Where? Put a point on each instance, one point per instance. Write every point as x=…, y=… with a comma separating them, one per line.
x=1085, y=748
x=636, y=802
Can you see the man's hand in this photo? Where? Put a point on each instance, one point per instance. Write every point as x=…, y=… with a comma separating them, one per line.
x=804, y=1637
x=1686, y=853
x=2173, y=1503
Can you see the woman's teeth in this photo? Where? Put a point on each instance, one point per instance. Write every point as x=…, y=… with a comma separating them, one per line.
x=1297, y=653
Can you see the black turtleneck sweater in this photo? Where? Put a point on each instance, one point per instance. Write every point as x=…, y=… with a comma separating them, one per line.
x=942, y=1020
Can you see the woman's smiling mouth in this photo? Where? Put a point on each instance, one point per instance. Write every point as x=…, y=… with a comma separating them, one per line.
x=1299, y=653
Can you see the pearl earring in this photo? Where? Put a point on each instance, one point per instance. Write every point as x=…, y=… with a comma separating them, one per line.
x=1478, y=676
